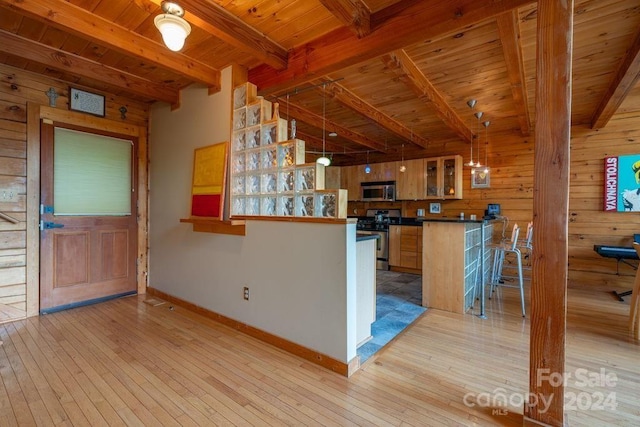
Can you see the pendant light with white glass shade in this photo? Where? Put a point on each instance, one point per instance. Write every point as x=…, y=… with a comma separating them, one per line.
x=172, y=26
x=324, y=160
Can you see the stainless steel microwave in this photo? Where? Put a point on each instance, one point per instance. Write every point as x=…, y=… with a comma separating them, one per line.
x=379, y=191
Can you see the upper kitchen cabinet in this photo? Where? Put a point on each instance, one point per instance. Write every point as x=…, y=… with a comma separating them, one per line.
x=332, y=178
x=350, y=178
x=380, y=172
x=443, y=178
x=410, y=183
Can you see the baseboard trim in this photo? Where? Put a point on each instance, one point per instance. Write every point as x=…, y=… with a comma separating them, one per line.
x=345, y=369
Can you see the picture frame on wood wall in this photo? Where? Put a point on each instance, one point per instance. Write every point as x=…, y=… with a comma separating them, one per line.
x=434, y=208
x=86, y=102
x=480, y=178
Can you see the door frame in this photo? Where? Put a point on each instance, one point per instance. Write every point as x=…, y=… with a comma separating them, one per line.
x=35, y=113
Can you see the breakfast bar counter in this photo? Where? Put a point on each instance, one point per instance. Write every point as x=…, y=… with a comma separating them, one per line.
x=453, y=257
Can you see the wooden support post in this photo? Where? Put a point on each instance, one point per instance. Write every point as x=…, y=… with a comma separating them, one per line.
x=550, y=213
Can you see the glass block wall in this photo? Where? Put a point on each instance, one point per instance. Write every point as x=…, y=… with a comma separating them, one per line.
x=269, y=176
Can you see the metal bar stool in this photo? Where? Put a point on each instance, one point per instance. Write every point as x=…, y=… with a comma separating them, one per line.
x=500, y=250
x=526, y=247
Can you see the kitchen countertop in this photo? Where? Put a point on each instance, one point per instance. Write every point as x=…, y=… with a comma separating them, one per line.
x=418, y=221
x=361, y=237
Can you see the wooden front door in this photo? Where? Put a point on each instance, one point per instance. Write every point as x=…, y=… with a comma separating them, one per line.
x=88, y=235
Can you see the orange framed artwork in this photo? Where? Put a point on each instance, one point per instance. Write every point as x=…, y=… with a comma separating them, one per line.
x=209, y=180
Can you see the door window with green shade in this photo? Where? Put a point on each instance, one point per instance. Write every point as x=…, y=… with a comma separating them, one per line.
x=91, y=174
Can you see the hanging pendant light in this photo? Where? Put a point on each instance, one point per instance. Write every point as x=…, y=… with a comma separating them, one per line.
x=471, y=103
x=172, y=26
x=403, y=168
x=478, y=115
x=486, y=145
x=324, y=160
x=367, y=168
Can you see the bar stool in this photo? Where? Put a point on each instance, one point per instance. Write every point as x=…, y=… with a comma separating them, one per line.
x=526, y=247
x=501, y=250
x=634, y=310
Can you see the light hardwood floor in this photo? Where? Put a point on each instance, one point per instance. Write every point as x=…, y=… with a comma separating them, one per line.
x=125, y=362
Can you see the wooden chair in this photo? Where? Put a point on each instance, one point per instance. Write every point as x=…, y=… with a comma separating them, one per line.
x=634, y=310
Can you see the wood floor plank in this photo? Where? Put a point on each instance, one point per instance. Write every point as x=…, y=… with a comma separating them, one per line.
x=246, y=387
x=26, y=387
x=125, y=363
x=123, y=378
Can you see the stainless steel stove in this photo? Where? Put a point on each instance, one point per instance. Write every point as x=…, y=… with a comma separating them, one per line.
x=377, y=222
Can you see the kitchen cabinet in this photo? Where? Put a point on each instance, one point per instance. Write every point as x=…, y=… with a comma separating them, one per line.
x=452, y=253
x=405, y=248
x=410, y=183
x=380, y=172
x=443, y=177
x=332, y=178
x=350, y=178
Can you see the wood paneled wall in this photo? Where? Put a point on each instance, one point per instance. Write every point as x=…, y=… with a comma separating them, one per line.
x=588, y=224
x=17, y=88
x=511, y=161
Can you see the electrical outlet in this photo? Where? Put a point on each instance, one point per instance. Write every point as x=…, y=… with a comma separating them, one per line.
x=245, y=293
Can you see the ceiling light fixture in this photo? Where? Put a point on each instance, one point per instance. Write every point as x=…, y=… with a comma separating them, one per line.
x=478, y=115
x=471, y=103
x=367, y=168
x=172, y=26
x=486, y=145
x=324, y=160
x=403, y=168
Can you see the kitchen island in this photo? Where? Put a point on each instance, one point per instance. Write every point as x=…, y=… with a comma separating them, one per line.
x=454, y=254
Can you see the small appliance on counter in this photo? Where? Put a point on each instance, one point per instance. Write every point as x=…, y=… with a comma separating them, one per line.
x=493, y=210
x=420, y=213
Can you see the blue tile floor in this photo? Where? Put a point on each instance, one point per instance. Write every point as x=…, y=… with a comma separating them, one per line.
x=398, y=300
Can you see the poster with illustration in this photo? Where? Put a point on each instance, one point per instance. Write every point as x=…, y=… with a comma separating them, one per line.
x=622, y=183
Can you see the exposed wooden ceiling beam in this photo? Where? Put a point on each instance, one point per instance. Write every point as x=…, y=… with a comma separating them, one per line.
x=352, y=13
x=411, y=22
x=84, y=67
x=400, y=63
x=624, y=80
x=315, y=120
x=509, y=31
x=67, y=17
x=227, y=27
x=360, y=106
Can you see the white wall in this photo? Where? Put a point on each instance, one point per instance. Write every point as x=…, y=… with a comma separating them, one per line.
x=301, y=276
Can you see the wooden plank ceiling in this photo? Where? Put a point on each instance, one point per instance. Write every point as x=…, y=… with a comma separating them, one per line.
x=397, y=75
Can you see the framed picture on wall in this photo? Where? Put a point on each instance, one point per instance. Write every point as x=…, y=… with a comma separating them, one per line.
x=622, y=183
x=209, y=180
x=434, y=208
x=480, y=177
